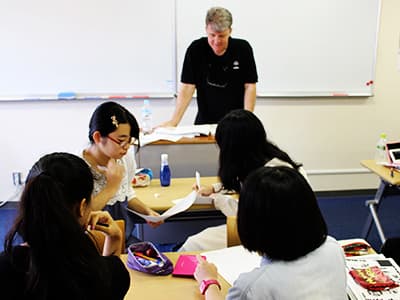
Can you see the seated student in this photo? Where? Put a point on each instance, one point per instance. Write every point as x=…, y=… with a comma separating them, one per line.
x=244, y=147
x=112, y=131
x=279, y=218
x=57, y=259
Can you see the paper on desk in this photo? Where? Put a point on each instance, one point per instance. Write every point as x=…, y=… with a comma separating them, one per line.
x=245, y=261
x=180, y=206
x=153, y=137
x=199, y=200
x=204, y=129
x=387, y=265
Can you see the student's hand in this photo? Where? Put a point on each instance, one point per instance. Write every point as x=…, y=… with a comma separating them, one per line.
x=114, y=173
x=205, y=270
x=154, y=224
x=102, y=221
x=204, y=190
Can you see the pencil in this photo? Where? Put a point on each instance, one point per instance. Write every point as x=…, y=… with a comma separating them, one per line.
x=145, y=256
x=102, y=224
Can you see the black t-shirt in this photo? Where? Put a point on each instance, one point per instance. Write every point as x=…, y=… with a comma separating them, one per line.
x=13, y=282
x=219, y=80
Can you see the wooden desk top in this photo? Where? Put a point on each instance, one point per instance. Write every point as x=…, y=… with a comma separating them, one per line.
x=149, y=287
x=160, y=198
x=383, y=172
x=195, y=140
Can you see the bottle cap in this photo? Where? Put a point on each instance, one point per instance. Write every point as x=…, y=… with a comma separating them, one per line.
x=164, y=157
x=146, y=102
x=383, y=135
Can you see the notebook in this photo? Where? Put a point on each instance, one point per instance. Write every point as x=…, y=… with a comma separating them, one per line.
x=185, y=265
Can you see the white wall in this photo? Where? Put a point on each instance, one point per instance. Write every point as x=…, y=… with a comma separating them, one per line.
x=330, y=136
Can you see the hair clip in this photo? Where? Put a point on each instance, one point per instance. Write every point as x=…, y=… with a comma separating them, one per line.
x=114, y=121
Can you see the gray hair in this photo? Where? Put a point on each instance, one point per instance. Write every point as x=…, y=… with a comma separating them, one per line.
x=219, y=18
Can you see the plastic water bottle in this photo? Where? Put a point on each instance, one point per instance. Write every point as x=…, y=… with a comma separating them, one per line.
x=380, y=150
x=147, y=124
x=165, y=171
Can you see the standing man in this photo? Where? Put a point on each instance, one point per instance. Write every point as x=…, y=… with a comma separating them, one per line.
x=222, y=70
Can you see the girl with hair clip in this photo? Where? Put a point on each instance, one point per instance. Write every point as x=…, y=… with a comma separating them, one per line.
x=279, y=218
x=58, y=259
x=244, y=147
x=112, y=131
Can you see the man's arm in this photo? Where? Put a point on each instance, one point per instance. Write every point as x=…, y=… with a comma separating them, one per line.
x=249, y=96
x=185, y=94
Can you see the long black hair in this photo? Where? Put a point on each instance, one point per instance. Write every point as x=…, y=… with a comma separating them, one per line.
x=60, y=253
x=244, y=147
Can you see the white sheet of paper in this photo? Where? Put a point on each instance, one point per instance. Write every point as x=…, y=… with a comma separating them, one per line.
x=182, y=130
x=245, y=261
x=199, y=200
x=180, y=205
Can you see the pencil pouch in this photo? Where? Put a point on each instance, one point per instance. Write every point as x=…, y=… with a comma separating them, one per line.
x=145, y=257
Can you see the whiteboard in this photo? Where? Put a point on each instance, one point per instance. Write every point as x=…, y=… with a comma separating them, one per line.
x=301, y=47
x=89, y=47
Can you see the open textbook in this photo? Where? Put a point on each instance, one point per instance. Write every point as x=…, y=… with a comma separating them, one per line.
x=181, y=205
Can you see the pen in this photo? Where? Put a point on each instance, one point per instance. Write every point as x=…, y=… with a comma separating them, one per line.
x=145, y=256
x=92, y=98
x=118, y=97
x=198, y=179
x=102, y=224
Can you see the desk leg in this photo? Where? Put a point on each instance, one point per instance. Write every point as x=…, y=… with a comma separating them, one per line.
x=373, y=206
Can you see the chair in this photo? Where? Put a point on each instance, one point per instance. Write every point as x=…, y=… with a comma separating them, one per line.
x=231, y=231
x=99, y=238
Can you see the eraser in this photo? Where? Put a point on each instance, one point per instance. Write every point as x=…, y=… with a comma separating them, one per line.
x=66, y=95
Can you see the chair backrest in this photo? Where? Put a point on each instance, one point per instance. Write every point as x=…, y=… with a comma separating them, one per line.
x=99, y=238
x=231, y=231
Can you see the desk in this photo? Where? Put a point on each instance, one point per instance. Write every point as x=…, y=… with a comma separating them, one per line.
x=386, y=182
x=145, y=286
x=177, y=228
x=184, y=156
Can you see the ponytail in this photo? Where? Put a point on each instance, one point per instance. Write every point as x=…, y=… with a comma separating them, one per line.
x=53, y=234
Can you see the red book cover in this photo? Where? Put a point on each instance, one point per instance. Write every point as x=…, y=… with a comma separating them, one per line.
x=185, y=265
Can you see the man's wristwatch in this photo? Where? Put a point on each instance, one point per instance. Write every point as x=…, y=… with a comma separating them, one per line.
x=206, y=283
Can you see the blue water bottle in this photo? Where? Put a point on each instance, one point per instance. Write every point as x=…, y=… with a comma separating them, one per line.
x=165, y=171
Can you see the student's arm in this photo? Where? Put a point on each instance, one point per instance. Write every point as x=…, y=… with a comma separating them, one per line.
x=185, y=94
x=249, y=96
x=138, y=206
x=226, y=204
x=207, y=271
x=114, y=173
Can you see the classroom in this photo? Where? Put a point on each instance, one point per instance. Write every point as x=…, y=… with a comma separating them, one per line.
x=328, y=133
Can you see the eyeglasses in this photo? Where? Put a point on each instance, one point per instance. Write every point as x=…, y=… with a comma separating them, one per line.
x=130, y=142
x=217, y=76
